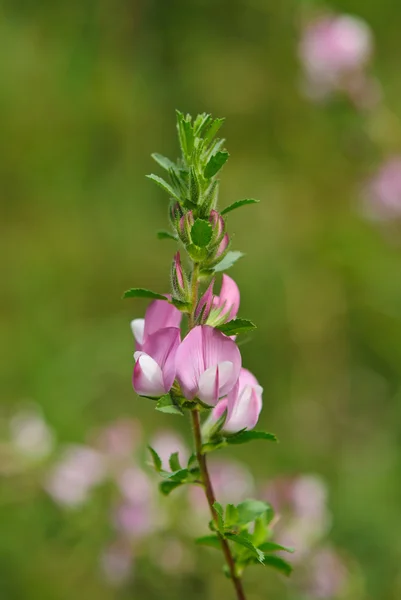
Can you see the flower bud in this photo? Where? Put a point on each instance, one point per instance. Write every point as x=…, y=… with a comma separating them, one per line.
x=184, y=227
x=223, y=246
x=204, y=306
x=218, y=225
x=179, y=280
x=175, y=213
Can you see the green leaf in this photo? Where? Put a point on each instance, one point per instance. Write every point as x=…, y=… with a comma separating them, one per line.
x=209, y=540
x=272, y=547
x=194, y=186
x=197, y=254
x=215, y=163
x=164, y=162
x=174, y=462
x=231, y=517
x=142, y=293
x=164, y=185
x=213, y=129
x=229, y=260
x=238, y=204
x=180, y=475
x=201, y=233
x=243, y=539
x=183, y=306
x=166, y=487
x=192, y=461
x=278, y=563
x=157, y=462
x=220, y=518
x=166, y=404
x=236, y=326
x=259, y=534
x=248, y=436
x=166, y=235
x=249, y=510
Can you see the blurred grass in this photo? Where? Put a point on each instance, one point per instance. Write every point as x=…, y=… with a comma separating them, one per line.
x=88, y=92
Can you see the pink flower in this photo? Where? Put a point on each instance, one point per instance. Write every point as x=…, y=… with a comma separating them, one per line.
x=222, y=247
x=218, y=309
x=243, y=404
x=383, y=192
x=159, y=315
x=155, y=366
x=335, y=45
x=208, y=364
x=229, y=299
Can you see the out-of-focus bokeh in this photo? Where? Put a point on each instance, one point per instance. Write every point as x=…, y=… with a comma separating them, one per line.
x=312, y=99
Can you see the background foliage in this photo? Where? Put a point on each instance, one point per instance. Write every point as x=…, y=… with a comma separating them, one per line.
x=88, y=92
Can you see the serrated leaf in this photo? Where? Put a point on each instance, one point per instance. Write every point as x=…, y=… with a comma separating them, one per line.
x=244, y=437
x=163, y=161
x=272, y=547
x=164, y=186
x=166, y=235
x=220, y=518
x=165, y=404
x=201, y=233
x=238, y=204
x=215, y=163
x=157, y=461
x=213, y=129
x=174, y=462
x=243, y=539
x=249, y=510
x=236, y=326
x=142, y=293
x=229, y=260
x=166, y=487
x=231, y=517
x=209, y=540
x=278, y=563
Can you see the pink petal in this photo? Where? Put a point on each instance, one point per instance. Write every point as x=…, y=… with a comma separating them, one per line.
x=203, y=348
x=162, y=347
x=244, y=403
x=148, y=377
x=161, y=314
x=230, y=295
x=219, y=410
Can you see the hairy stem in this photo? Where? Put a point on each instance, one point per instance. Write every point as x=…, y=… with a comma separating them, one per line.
x=206, y=482
x=211, y=499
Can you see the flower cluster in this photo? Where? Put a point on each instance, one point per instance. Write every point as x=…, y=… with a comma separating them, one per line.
x=205, y=365
x=198, y=368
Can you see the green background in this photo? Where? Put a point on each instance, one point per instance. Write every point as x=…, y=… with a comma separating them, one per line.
x=88, y=91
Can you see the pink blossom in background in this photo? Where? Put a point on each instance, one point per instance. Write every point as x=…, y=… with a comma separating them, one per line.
x=134, y=519
x=232, y=482
x=326, y=575
x=120, y=439
x=30, y=435
x=302, y=515
x=73, y=477
x=208, y=364
x=334, y=51
x=116, y=563
x=243, y=404
x=382, y=193
x=167, y=442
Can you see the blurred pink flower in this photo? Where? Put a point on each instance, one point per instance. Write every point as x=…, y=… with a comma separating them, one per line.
x=302, y=516
x=326, y=576
x=117, y=563
x=243, y=404
x=334, y=51
x=30, y=434
x=119, y=439
x=208, y=364
x=134, y=520
x=382, y=194
x=232, y=482
x=167, y=442
x=73, y=477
